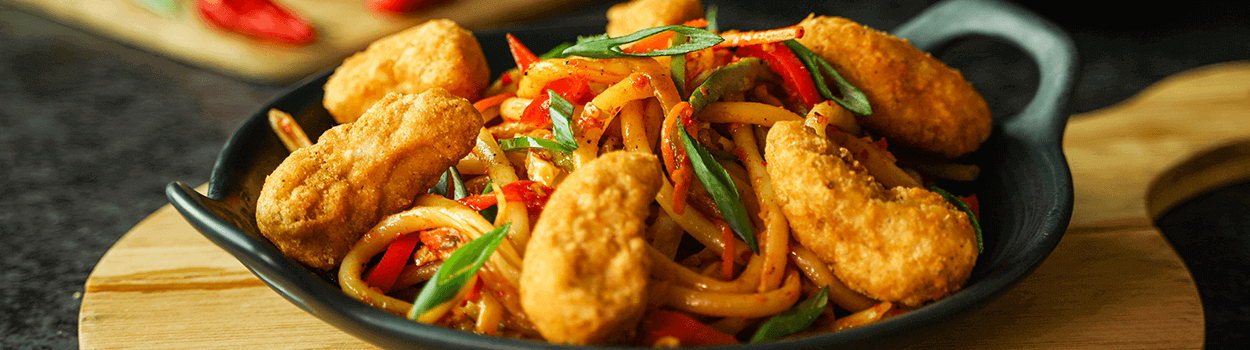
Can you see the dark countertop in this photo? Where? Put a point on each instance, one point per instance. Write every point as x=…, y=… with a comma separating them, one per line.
x=91, y=131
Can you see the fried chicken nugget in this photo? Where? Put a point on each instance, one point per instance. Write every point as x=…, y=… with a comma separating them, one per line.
x=324, y=197
x=902, y=244
x=437, y=53
x=584, y=278
x=917, y=101
x=626, y=18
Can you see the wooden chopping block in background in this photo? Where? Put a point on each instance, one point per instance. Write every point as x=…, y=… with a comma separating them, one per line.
x=343, y=27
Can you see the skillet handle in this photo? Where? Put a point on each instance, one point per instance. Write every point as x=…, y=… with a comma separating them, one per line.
x=1044, y=42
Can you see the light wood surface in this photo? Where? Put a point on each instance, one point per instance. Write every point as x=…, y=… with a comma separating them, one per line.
x=1112, y=283
x=343, y=27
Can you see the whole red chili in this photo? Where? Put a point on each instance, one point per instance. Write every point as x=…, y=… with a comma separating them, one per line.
x=261, y=19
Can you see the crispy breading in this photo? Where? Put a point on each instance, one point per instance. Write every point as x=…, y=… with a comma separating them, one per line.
x=629, y=17
x=323, y=198
x=584, y=279
x=917, y=101
x=902, y=244
x=437, y=53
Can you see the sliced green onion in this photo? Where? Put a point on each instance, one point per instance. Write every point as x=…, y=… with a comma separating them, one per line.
x=562, y=120
x=853, y=99
x=456, y=271
x=710, y=16
x=678, y=67
x=458, y=189
x=601, y=46
x=734, y=77
x=718, y=183
x=972, y=217
x=555, y=52
x=526, y=142
x=794, y=320
x=450, y=185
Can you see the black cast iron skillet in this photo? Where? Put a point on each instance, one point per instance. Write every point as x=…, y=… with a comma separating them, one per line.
x=1025, y=188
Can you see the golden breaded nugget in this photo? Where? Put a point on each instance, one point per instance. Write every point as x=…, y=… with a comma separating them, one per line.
x=917, y=101
x=626, y=18
x=437, y=53
x=584, y=278
x=903, y=244
x=323, y=198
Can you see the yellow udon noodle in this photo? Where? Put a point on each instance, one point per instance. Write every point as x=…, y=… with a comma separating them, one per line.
x=762, y=304
x=775, y=238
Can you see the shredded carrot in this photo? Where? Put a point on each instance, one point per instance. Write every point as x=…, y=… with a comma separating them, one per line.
x=761, y=36
x=486, y=103
x=675, y=157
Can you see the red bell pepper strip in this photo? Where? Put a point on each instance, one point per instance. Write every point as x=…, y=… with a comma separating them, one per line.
x=399, y=6
x=796, y=79
x=521, y=54
x=532, y=193
x=261, y=19
x=387, y=270
x=574, y=89
x=689, y=331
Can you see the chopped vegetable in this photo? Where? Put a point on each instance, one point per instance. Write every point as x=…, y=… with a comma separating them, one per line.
x=795, y=77
x=735, y=77
x=532, y=193
x=397, y=254
x=456, y=271
x=521, y=54
x=718, y=183
x=794, y=320
x=486, y=103
x=261, y=19
x=524, y=142
x=972, y=216
x=690, y=332
x=852, y=98
x=561, y=112
x=601, y=46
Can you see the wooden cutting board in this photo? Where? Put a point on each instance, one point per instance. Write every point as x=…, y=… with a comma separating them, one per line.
x=1112, y=283
x=343, y=26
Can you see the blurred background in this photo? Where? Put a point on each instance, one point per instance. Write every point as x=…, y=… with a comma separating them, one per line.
x=92, y=127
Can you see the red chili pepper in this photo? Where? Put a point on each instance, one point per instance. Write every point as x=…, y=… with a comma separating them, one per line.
x=521, y=54
x=532, y=193
x=574, y=89
x=383, y=275
x=689, y=331
x=258, y=18
x=973, y=205
x=399, y=6
x=796, y=79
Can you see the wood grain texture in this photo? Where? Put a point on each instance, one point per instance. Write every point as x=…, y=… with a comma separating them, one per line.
x=1113, y=282
x=343, y=28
